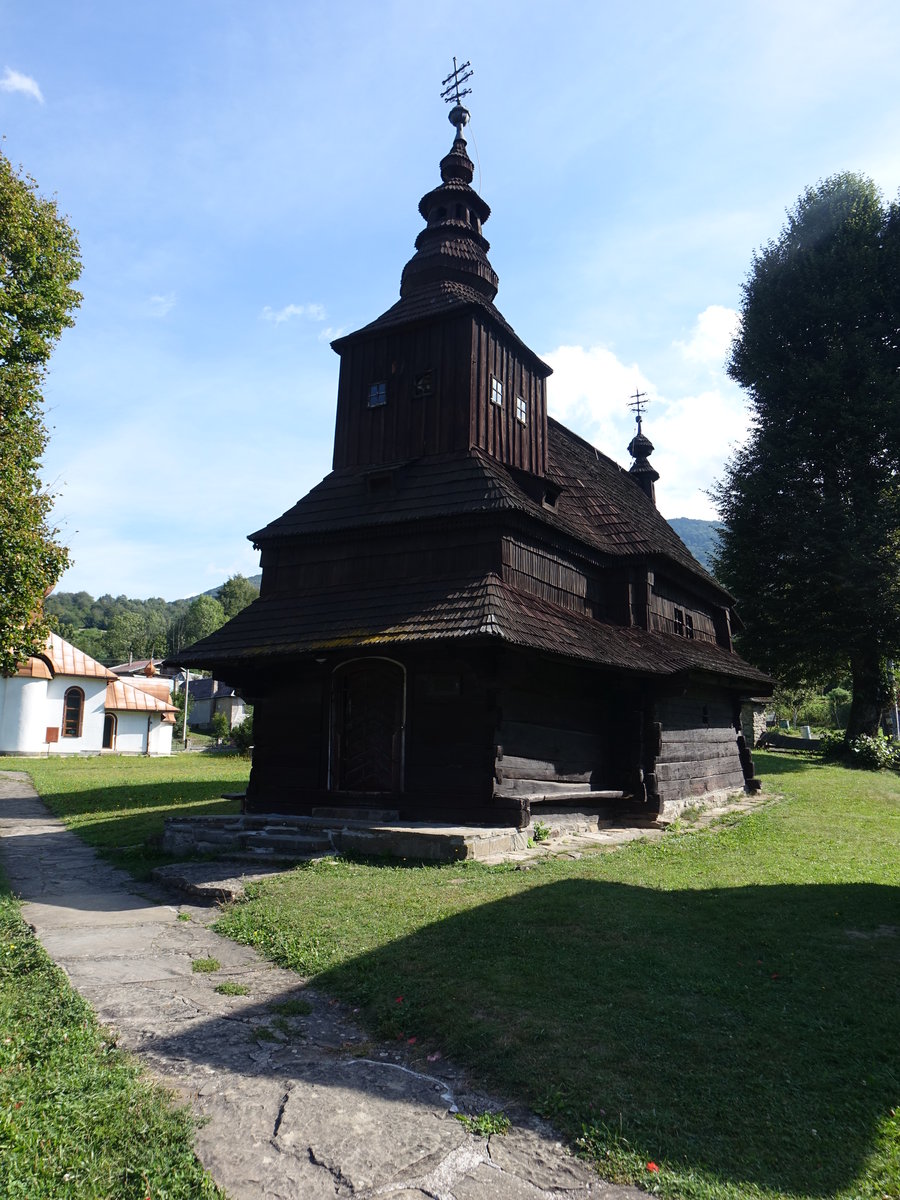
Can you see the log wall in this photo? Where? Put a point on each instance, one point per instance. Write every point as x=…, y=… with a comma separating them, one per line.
x=698, y=749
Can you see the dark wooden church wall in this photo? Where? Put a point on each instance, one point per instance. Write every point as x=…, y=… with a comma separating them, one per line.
x=374, y=555
x=290, y=749
x=666, y=597
x=449, y=735
x=496, y=428
x=698, y=745
x=546, y=572
x=410, y=423
x=550, y=728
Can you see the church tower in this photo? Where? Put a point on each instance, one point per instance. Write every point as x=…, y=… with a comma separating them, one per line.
x=442, y=371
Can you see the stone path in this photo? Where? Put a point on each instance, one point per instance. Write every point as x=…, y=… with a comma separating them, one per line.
x=295, y=1107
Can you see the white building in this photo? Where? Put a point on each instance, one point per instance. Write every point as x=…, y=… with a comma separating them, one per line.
x=64, y=702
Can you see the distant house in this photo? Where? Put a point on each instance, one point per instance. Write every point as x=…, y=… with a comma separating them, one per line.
x=62, y=701
x=211, y=696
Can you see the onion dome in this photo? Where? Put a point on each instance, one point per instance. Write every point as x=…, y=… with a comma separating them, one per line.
x=451, y=248
x=640, y=448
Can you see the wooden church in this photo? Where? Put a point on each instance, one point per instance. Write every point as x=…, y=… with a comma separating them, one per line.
x=477, y=616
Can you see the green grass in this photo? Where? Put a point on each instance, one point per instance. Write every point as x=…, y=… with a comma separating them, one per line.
x=205, y=966
x=230, y=988
x=76, y=1117
x=119, y=805
x=722, y=1003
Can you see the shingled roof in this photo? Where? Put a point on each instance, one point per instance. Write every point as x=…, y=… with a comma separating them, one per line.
x=456, y=609
x=599, y=504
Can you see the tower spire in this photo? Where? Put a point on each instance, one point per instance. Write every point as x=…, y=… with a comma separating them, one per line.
x=640, y=448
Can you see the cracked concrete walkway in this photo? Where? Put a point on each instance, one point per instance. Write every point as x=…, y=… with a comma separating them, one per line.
x=296, y=1106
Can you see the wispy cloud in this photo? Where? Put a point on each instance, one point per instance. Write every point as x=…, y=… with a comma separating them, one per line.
x=329, y=333
x=15, y=81
x=312, y=312
x=161, y=306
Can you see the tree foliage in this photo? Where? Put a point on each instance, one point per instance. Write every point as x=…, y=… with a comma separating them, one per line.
x=39, y=263
x=235, y=594
x=810, y=505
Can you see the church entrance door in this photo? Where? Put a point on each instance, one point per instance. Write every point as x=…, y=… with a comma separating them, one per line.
x=368, y=705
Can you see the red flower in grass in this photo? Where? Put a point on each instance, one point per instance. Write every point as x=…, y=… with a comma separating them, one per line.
x=653, y=1168
x=411, y=1041
x=399, y=1000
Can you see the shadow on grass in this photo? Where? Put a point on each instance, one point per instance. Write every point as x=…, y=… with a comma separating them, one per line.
x=740, y=1033
x=770, y=762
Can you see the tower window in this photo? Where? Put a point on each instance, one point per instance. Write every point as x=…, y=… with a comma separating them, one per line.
x=522, y=410
x=377, y=394
x=679, y=622
x=423, y=385
x=496, y=391
x=688, y=625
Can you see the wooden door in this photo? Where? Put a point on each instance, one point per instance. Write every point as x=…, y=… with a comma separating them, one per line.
x=367, y=727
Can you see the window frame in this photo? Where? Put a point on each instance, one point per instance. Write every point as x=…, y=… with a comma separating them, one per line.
x=70, y=728
x=377, y=394
x=496, y=391
x=521, y=410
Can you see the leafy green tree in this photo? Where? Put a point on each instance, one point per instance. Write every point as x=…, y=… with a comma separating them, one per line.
x=218, y=727
x=203, y=617
x=235, y=594
x=127, y=635
x=810, y=544
x=39, y=263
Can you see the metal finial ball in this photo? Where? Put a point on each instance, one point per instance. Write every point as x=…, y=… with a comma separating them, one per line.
x=458, y=116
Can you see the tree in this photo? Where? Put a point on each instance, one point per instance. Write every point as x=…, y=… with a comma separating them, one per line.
x=39, y=263
x=810, y=544
x=236, y=593
x=203, y=617
x=127, y=636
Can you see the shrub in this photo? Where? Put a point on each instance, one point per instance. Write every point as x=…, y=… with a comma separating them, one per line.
x=242, y=735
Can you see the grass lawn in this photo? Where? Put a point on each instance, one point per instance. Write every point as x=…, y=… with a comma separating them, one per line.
x=119, y=804
x=722, y=1004
x=76, y=1117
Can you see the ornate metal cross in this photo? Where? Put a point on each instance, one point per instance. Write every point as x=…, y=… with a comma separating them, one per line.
x=453, y=92
x=637, y=403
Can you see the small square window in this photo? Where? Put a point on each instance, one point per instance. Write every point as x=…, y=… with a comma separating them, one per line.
x=496, y=391
x=377, y=394
x=522, y=410
x=424, y=384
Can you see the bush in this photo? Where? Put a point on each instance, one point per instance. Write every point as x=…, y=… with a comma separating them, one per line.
x=218, y=727
x=242, y=735
x=870, y=753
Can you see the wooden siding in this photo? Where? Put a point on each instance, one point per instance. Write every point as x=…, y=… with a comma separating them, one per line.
x=495, y=428
x=547, y=573
x=698, y=748
x=367, y=558
x=551, y=729
x=665, y=597
x=406, y=425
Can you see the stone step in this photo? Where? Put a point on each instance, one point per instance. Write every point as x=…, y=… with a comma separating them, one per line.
x=284, y=843
x=360, y=813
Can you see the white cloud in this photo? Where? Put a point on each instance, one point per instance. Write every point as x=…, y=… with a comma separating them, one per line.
x=15, y=81
x=161, y=306
x=693, y=432
x=711, y=337
x=314, y=312
x=328, y=334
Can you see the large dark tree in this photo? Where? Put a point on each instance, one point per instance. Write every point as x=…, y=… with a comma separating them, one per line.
x=39, y=263
x=810, y=506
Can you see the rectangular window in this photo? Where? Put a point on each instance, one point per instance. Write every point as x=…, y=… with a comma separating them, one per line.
x=424, y=384
x=377, y=394
x=496, y=391
x=679, y=622
x=688, y=625
x=522, y=410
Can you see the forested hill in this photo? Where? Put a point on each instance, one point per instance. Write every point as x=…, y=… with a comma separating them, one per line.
x=699, y=537
x=115, y=629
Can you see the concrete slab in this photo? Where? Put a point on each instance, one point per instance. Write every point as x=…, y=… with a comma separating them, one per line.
x=302, y=1106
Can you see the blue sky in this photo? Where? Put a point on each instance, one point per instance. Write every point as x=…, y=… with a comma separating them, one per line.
x=244, y=179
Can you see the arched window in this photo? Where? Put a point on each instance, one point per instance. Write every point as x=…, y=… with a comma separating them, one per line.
x=73, y=711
